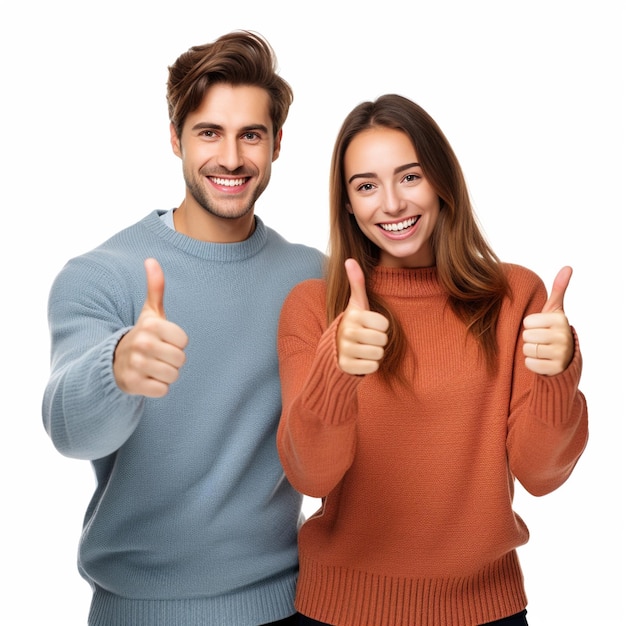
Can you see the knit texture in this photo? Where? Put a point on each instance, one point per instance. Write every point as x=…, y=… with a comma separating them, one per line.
x=192, y=521
x=417, y=526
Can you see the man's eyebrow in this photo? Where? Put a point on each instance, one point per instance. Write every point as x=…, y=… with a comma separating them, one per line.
x=399, y=169
x=245, y=129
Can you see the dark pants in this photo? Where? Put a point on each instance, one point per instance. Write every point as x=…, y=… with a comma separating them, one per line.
x=519, y=619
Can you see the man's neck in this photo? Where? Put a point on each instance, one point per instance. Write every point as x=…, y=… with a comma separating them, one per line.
x=206, y=227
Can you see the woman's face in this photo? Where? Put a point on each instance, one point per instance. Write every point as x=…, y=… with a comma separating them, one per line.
x=392, y=202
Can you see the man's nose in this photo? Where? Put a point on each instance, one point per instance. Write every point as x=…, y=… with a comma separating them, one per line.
x=229, y=155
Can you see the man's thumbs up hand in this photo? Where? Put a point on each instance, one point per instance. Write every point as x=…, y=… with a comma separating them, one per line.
x=148, y=357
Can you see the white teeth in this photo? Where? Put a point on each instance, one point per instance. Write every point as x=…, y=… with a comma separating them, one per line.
x=399, y=225
x=229, y=182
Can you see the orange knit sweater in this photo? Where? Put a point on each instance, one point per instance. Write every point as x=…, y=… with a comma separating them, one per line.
x=417, y=526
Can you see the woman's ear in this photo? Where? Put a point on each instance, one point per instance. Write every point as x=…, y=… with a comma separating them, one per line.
x=349, y=208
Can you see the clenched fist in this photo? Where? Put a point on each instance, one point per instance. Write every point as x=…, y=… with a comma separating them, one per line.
x=362, y=334
x=148, y=358
x=548, y=339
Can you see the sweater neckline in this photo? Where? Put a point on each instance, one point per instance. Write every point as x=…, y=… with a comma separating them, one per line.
x=209, y=251
x=406, y=282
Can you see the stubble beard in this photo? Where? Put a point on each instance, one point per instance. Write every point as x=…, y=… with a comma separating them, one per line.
x=228, y=209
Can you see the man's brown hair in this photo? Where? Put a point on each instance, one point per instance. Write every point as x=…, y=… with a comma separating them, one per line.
x=237, y=58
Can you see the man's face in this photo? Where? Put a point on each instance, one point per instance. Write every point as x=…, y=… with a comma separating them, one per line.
x=227, y=149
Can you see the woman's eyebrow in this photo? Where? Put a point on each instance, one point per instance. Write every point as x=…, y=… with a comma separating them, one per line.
x=399, y=169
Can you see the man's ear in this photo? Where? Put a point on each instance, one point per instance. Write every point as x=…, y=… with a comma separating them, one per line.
x=175, y=141
x=277, y=140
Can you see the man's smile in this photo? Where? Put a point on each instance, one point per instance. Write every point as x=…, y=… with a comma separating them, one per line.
x=228, y=182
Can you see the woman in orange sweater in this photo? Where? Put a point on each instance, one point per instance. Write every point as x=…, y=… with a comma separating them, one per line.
x=421, y=380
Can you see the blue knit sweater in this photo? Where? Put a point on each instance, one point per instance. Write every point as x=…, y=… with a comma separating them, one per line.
x=192, y=521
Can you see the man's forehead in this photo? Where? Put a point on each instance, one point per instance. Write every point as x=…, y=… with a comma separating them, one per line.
x=225, y=105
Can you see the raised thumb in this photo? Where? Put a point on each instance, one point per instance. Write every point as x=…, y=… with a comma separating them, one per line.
x=155, y=287
x=557, y=295
x=356, y=279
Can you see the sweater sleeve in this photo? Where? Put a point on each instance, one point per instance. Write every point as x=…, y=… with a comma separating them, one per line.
x=548, y=426
x=84, y=412
x=317, y=430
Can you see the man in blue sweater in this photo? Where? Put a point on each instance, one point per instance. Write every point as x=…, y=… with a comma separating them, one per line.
x=164, y=370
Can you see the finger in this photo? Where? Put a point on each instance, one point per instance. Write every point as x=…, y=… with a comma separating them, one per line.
x=547, y=321
x=365, y=327
x=557, y=296
x=358, y=294
x=155, y=287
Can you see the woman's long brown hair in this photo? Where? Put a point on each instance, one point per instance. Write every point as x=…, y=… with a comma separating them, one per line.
x=467, y=267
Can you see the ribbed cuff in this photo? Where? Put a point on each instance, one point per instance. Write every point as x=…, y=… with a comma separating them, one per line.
x=329, y=392
x=552, y=396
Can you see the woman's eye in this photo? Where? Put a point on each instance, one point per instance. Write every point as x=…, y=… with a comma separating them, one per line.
x=365, y=187
x=411, y=177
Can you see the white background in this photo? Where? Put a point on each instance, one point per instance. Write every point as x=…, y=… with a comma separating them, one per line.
x=531, y=96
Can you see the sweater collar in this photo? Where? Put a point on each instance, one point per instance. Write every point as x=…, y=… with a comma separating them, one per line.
x=409, y=283
x=219, y=252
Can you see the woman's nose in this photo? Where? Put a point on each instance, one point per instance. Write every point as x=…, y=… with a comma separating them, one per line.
x=393, y=202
